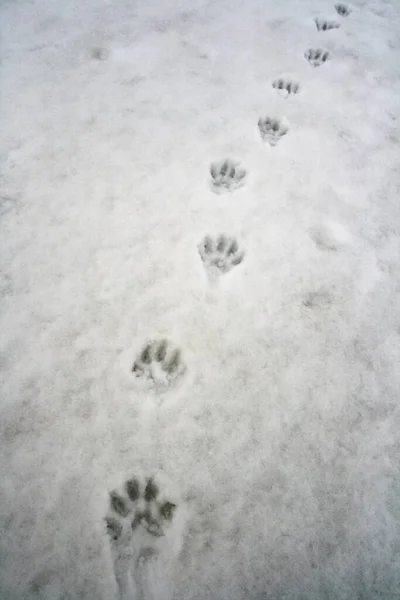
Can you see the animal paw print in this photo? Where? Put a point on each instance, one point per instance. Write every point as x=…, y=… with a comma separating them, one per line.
x=141, y=523
x=318, y=299
x=140, y=504
x=342, y=9
x=226, y=176
x=160, y=365
x=286, y=87
x=316, y=56
x=325, y=24
x=272, y=130
x=98, y=53
x=221, y=254
x=330, y=236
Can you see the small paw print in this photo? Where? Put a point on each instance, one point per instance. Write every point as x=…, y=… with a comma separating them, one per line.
x=99, y=53
x=343, y=10
x=220, y=254
x=272, y=129
x=316, y=56
x=160, y=365
x=318, y=299
x=142, y=503
x=227, y=176
x=286, y=86
x=326, y=24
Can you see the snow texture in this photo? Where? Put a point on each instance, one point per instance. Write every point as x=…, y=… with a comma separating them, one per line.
x=278, y=417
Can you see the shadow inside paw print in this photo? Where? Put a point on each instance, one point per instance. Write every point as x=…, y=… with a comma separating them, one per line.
x=272, y=129
x=159, y=364
x=326, y=24
x=343, y=10
x=316, y=56
x=286, y=86
x=220, y=254
x=226, y=176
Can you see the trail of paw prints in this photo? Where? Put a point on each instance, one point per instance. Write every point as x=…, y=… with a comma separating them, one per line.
x=140, y=517
x=316, y=56
x=220, y=255
x=326, y=24
x=226, y=176
x=159, y=366
x=272, y=129
x=342, y=10
x=286, y=86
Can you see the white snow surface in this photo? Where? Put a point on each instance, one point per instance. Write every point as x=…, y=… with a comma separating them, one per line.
x=283, y=436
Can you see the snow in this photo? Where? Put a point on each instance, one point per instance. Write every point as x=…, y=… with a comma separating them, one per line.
x=283, y=435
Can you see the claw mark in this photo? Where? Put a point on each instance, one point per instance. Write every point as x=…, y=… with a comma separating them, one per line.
x=137, y=368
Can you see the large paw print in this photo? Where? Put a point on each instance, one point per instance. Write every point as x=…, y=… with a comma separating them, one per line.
x=141, y=503
x=326, y=24
x=226, y=176
x=286, y=86
x=220, y=254
x=272, y=129
x=316, y=56
x=142, y=523
x=160, y=365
